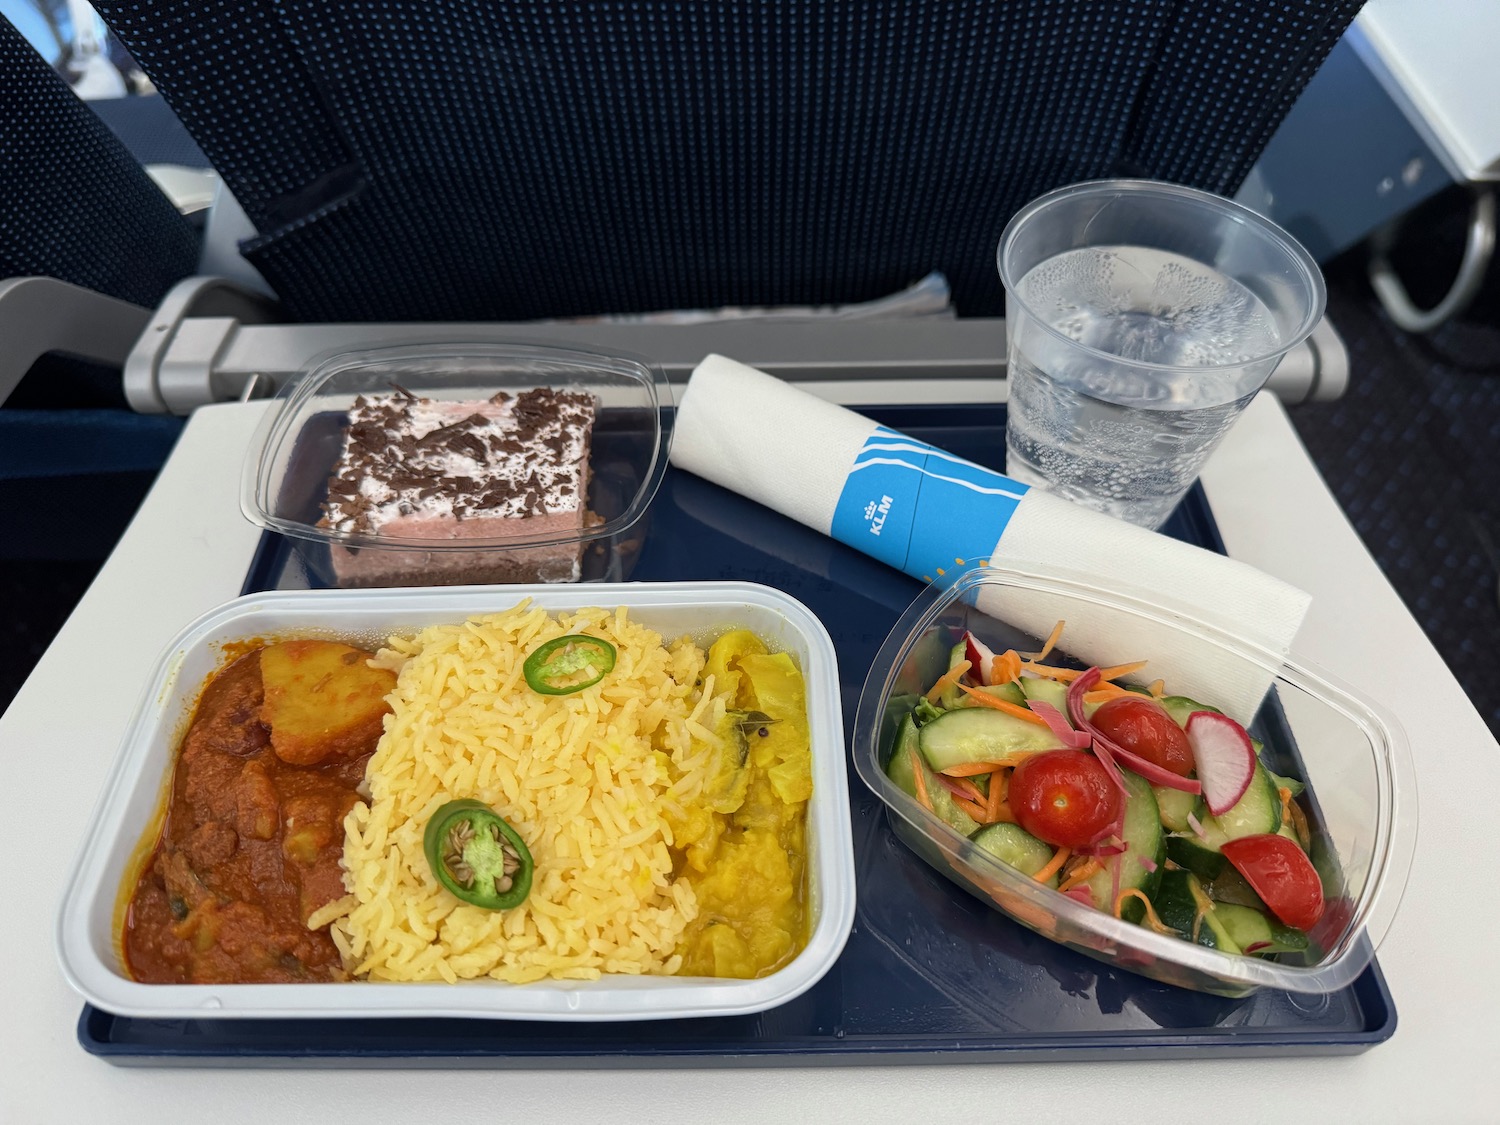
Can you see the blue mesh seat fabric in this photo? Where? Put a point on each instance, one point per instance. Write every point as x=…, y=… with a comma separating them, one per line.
x=77, y=207
x=456, y=159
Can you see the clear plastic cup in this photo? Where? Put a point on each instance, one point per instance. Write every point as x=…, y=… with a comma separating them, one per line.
x=1141, y=318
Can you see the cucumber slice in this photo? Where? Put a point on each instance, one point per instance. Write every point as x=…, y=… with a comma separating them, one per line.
x=1257, y=812
x=1143, y=839
x=1181, y=903
x=1291, y=783
x=1054, y=692
x=906, y=759
x=1008, y=692
x=1257, y=934
x=979, y=734
x=1180, y=707
x=1176, y=806
x=1188, y=852
x=1012, y=844
x=1246, y=927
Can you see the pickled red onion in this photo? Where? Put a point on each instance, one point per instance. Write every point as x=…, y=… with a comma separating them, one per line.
x=1149, y=770
x=1073, y=739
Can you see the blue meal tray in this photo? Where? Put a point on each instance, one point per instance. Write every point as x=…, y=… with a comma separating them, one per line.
x=929, y=974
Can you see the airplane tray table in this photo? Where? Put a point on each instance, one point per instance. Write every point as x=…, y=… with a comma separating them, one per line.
x=929, y=974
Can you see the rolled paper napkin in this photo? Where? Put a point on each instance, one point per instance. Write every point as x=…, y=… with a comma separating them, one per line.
x=932, y=515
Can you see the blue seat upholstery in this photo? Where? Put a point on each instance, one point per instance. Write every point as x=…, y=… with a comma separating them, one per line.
x=76, y=206
x=456, y=159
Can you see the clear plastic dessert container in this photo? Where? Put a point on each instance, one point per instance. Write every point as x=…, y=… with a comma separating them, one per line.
x=1360, y=802
x=109, y=860
x=296, y=450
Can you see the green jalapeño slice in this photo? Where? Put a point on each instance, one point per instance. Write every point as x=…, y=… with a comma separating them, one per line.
x=568, y=664
x=477, y=856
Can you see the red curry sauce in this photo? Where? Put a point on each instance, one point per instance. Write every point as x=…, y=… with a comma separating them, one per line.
x=250, y=849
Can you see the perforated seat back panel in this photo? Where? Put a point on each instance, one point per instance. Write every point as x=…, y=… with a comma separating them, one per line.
x=74, y=204
x=437, y=159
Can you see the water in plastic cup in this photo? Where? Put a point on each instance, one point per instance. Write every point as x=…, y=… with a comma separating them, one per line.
x=1141, y=319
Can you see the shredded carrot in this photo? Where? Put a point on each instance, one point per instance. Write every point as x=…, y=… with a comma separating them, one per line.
x=1105, y=694
x=923, y=797
x=976, y=769
x=1286, y=803
x=1151, y=917
x=1003, y=814
x=1051, y=641
x=976, y=812
x=1158, y=688
x=1081, y=874
x=999, y=793
x=1205, y=907
x=989, y=700
x=1005, y=667
x=970, y=791
x=1066, y=675
x=1054, y=865
x=951, y=676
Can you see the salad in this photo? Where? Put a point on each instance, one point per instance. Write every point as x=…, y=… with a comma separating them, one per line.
x=1155, y=808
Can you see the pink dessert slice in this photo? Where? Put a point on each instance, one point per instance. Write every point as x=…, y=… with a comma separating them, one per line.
x=509, y=469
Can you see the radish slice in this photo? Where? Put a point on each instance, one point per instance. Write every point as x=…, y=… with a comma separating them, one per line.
x=1073, y=739
x=1109, y=847
x=1197, y=827
x=1225, y=758
x=1149, y=770
x=981, y=658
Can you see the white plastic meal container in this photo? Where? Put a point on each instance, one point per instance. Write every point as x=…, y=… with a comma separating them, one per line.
x=139, y=782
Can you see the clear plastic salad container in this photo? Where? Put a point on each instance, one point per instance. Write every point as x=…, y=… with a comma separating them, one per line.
x=290, y=462
x=1359, y=807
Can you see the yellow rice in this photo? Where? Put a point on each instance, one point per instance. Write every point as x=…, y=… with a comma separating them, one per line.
x=584, y=778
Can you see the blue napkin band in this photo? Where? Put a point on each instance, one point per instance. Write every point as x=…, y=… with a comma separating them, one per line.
x=922, y=510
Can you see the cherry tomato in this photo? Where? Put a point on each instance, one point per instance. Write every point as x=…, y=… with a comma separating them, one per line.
x=1143, y=727
x=1064, y=797
x=1280, y=872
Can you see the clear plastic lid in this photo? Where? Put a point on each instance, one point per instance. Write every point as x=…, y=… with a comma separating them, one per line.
x=289, y=464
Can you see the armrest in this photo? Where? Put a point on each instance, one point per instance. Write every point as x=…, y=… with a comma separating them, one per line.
x=40, y=315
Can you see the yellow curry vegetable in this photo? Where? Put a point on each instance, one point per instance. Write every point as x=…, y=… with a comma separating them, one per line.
x=746, y=854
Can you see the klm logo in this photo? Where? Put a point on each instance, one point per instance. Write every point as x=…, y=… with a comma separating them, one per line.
x=875, y=514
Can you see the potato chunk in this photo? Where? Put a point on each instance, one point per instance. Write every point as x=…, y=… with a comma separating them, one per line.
x=321, y=698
